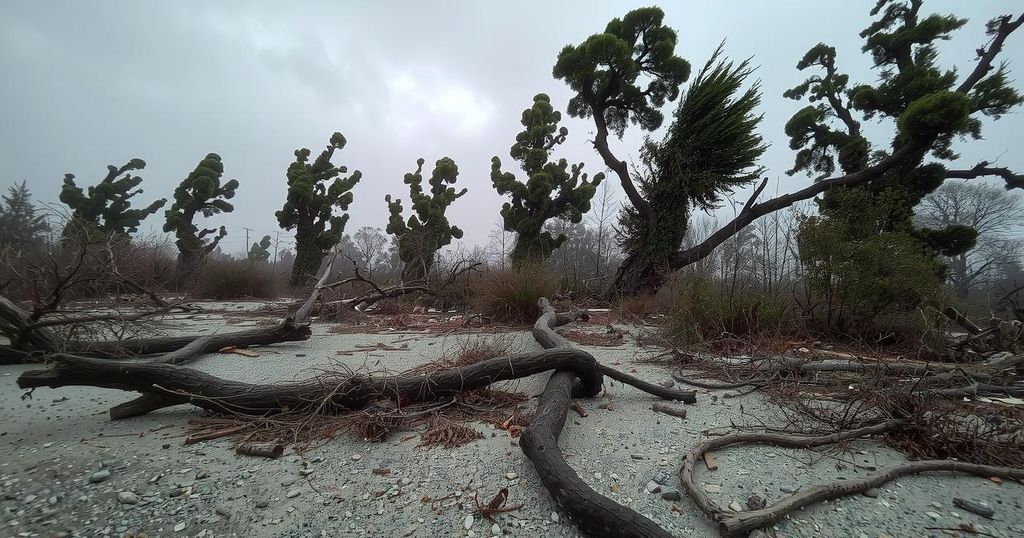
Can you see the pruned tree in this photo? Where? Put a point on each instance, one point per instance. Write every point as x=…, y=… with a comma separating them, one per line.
x=929, y=112
x=428, y=230
x=552, y=189
x=104, y=210
x=711, y=148
x=21, y=225
x=259, y=252
x=315, y=190
x=199, y=193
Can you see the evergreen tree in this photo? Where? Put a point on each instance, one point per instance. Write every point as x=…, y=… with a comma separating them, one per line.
x=929, y=108
x=260, y=252
x=428, y=230
x=105, y=209
x=711, y=148
x=200, y=192
x=21, y=227
x=551, y=190
x=315, y=190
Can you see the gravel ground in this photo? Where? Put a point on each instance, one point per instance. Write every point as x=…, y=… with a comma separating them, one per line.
x=66, y=470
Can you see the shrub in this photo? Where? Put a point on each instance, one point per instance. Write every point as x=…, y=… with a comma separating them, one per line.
x=510, y=295
x=699, y=309
x=237, y=279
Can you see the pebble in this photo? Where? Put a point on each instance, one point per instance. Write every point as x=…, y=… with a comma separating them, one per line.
x=653, y=487
x=293, y=493
x=468, y=522
x=662, y=477
x=712, y=488
x=789, y=489
x=99, y=476
x=756, y=502
x=637, y=456
x=871, y=492
x=357, y=457
x=127, y=497
x=495, y=530
x=672, y=495
x=511, y=476
x=597, y=476
x=180, y=526
x=554, y=517
x=735, y=506
x=262, y=503
x=933, y=515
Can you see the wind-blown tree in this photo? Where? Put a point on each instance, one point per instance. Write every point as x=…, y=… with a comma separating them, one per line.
x=604, y=71
x=104, y=210
x=711, y=148
x=929, y=109
x=552, y=189
x=427, y=231
x=315, y=190
x=21, y=226
x=260, y=251
x=199, y=193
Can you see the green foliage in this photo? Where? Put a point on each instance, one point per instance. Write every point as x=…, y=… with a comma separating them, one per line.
x=105, y=209
x=201, y=192
x=860, y=266
x=21, y=227
x=315, y=190
x=929, y=111
x=711, y=148
x=700, y=310
x=551, y=190
x=260, y=252
x=605, y=69
x=428, y=230
x=511, y=295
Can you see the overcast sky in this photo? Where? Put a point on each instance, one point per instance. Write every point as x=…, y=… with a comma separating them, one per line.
x=88, y=84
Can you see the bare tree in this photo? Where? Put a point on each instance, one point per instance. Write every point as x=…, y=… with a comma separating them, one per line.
x=601, y=219
x=995, y=213
x=370, y=243
x=500, y=244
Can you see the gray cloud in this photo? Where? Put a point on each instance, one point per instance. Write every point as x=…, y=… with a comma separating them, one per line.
x=88, y=84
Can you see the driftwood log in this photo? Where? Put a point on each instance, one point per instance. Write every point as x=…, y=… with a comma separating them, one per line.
x=590, y=511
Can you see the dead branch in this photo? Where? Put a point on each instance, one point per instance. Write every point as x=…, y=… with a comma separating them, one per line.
x=738, y=524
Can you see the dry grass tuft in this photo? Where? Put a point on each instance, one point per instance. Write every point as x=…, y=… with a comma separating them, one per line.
x=447, y=433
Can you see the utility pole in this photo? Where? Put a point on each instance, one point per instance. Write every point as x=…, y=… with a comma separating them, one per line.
x=247, y=245
x=277, y=241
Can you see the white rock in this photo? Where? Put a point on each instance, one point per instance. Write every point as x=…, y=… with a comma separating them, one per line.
x=468, y=522
x=357, y=457
x=495, y=530
x=597, y=476
x=293, y=493
x=735, y=506
x=554, y=517
x=933, y=515
x=180, y=526
x=511, y=476
x=127, y=497
x=712, y=488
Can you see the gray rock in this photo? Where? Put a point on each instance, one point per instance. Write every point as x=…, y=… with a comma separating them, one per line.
x=756, y=502
x=662, y=477
x=637, y=456
x=99, y=476
x=468, y=522
x=653, y=487
x=789, y=489
x=127, y=497
x=293, y=493
x=735, y=506
x=712, y=488
x=262, y=503
x=672, y=495
x=871, y=492
x=982, y=509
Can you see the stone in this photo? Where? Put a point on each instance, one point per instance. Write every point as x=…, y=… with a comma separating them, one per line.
x=292, y=493
x=981, y=509
x=871, y=492
x=934, y=515
x=468, y=522
x=496, y=530
x=597, y=476
x=712, y=488
x=662, y=477
x=756, y=502
x=127, y=497
x=672, y=495
x=289, y=481
x=180, y=526
x=789, y=489
x=99, y=476
x=357, y=457
x=637, y=456
x=511, y=476
x=735, y=506
x=554, y=517
x=653, y=487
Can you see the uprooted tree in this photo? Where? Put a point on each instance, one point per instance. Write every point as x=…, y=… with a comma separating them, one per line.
x=428, y=230
x=315, y=190
x=552, y=189
x=104, y=210
x=604, y=72
x=200, y=192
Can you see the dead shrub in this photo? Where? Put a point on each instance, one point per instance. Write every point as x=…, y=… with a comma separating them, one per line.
x=510, y=295
x=636, y=308
x=237, y=279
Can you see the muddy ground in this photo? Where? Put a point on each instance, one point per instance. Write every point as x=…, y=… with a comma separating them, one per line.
x=67, y=470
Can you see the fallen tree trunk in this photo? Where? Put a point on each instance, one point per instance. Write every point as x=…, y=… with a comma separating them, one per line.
x=592, y=512
x=164, y=385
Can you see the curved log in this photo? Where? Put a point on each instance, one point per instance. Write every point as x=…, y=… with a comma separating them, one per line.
x=164, y=385
x=592, y=512
x=739, y=524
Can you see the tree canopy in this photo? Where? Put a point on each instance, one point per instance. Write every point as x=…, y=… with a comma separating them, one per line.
x=105, y=208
